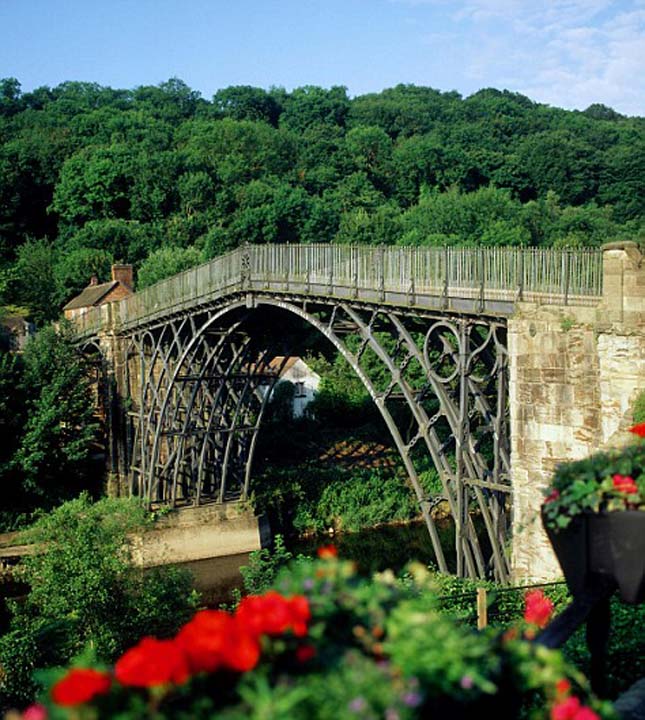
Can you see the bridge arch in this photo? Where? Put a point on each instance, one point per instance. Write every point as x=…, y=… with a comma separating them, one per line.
x=198, y=388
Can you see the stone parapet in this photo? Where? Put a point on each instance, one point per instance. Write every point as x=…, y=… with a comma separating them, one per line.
x=623, y=284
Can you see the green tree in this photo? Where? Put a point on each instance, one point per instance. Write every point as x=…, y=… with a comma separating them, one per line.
x=311, y=105
x=95, y=183
x=74, y=269
x=12, y=419
x=125, y=240
x=57, y=441
x=166, y=261
x=243, y=102
x=34, y=285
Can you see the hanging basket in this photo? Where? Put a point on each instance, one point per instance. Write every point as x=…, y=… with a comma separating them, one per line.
x=603, y=546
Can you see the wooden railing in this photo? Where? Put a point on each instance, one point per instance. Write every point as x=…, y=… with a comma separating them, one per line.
x=505, y=274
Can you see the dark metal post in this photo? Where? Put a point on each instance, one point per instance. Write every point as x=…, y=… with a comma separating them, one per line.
x=598, y=625
x=445, y=279
x=482, y=280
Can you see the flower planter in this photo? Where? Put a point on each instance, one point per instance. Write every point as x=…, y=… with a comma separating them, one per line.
x=607, y=545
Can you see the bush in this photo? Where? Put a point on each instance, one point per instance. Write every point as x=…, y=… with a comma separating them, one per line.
x=83, y=591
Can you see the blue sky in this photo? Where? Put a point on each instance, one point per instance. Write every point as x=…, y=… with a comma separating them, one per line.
x=568, y=53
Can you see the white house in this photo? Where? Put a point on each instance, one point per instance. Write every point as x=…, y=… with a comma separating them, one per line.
x=305, y=381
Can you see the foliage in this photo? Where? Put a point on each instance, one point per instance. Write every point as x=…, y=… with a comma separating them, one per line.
x=327, y=643
x=59, y=431
x=606, y=481
x=83, y=591
x=165, y=262
x=639, y=408
x=48, y=425
x=263, y=566
x=317, y=498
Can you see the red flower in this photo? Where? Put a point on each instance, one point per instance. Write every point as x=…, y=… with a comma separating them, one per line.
x=538, y=608
x=304, y=653
x=554, y=495
x=565, y=710
x=625, y=484
x=273, y=614
x=214, y=639
x=638, y=429
x=151, y=663
x=327, y=552
x=563, y=687
x=79, y=686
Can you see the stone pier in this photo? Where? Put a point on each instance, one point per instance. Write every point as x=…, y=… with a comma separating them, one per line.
x=575, y=373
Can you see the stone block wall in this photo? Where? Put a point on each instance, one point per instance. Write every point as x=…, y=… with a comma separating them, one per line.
x=574, y=375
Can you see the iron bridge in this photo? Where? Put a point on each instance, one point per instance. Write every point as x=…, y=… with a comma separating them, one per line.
x=192, y=362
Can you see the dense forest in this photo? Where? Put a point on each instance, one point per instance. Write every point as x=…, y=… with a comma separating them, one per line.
x=162, y=178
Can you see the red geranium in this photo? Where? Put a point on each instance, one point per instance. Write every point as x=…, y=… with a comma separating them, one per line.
x=638, y=429
x=304, y=653
x=625, y=484
x=563, y=687
x=554, y=495
x=79, y=686
x=571, y=709
x=327, y=552
x=215, y=639
x=151, y=663
x=538, y=608
x=273, y=614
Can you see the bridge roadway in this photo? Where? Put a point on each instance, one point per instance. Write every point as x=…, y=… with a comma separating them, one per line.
x=192, y=359
x=453, y=280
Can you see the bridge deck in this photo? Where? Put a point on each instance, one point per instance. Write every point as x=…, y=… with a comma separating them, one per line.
x=462, y=280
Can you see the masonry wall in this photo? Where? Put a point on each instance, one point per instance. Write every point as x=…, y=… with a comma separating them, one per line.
x=574, y=375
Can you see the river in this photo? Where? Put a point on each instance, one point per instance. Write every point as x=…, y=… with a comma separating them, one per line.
x=374, y=549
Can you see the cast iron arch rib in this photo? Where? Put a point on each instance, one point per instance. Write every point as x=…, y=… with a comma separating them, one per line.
x=198, y=409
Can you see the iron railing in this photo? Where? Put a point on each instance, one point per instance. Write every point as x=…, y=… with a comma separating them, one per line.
x=547, y=276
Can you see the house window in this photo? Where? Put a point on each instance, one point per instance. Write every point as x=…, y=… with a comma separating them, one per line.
x=300, y=390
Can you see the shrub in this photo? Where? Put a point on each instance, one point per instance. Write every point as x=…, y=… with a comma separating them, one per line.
x=83, y=590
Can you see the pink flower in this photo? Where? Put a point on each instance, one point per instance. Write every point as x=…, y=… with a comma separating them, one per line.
x=35, y=712
x=566, y=710
x=586, y=713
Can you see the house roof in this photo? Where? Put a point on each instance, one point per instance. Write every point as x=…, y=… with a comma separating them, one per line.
x=275, y=365
x=92, y=295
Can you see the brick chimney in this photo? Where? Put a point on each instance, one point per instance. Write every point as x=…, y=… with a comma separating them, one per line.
x=94, y=280
x=123, y=273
